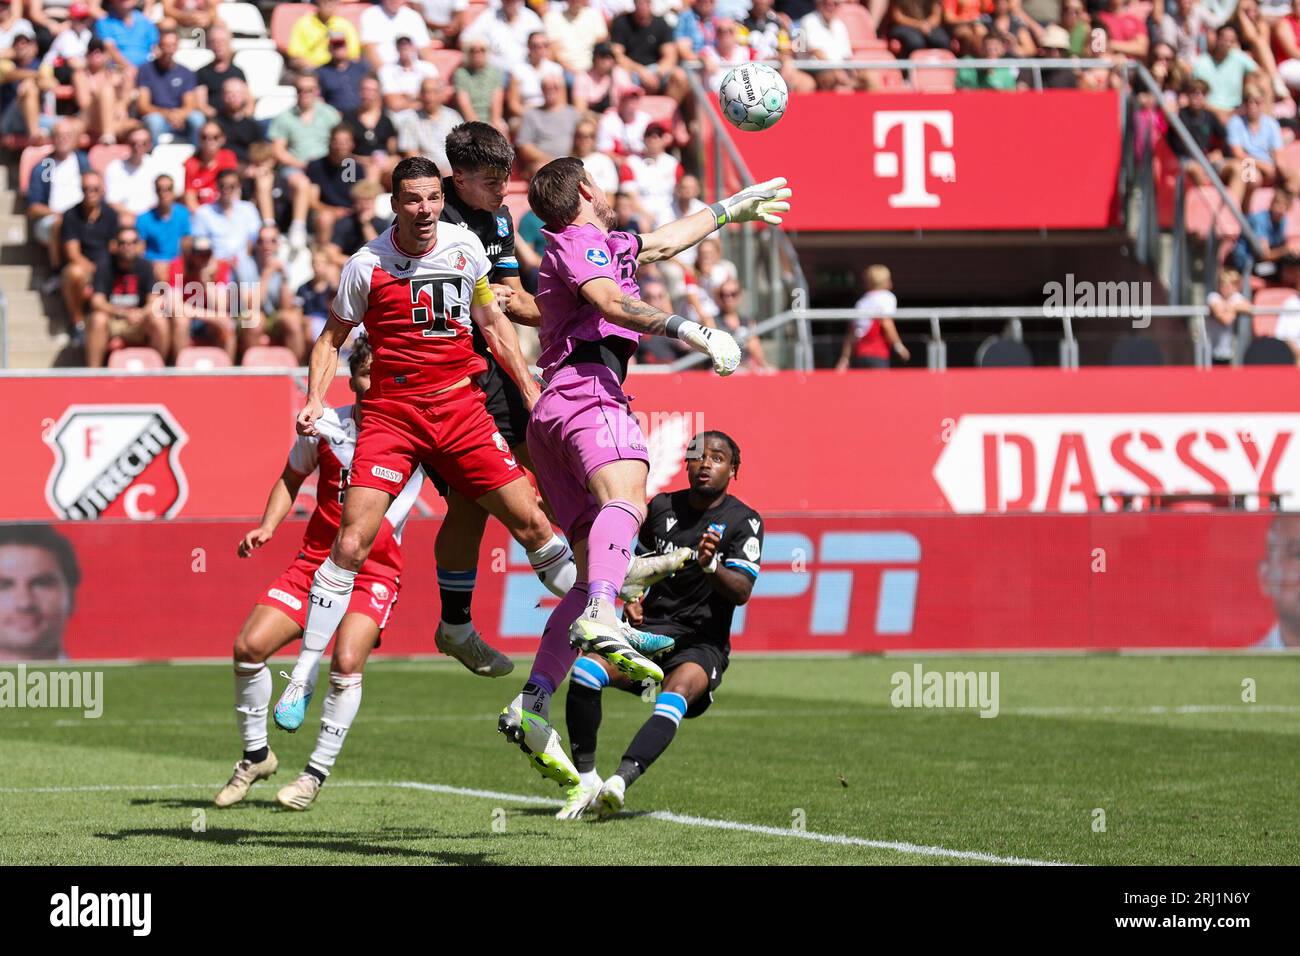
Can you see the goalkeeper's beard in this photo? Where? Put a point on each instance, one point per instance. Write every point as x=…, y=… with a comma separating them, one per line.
x=600, y=206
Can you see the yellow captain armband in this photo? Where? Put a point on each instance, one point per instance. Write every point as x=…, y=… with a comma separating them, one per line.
x=483, y=293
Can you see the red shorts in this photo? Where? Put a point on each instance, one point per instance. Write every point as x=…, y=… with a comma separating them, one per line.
x=373, y=594
x=452, y=433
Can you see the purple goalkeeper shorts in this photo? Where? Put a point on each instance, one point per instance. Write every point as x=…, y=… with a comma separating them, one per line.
x=580, y=424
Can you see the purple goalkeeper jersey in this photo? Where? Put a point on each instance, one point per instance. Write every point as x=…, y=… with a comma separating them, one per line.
x=574, y=256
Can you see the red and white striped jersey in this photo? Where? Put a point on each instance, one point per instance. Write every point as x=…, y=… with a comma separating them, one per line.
x=416, y=309
x=331, y=452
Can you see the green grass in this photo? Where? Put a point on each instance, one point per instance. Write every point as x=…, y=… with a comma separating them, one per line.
x=786, y=738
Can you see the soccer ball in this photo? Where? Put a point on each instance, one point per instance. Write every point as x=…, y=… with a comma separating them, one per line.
x=753, y=97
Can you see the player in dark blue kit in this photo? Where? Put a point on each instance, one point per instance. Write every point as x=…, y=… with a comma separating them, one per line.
x=694, y=606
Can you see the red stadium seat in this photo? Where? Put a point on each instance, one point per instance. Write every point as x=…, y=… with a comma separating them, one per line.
x=27, y=162
x=447, y=61
x=858, y=20
x=1203, y=207
x=1290, y=155
x=1260, y=199
x=517, y=186
x=283, y=19
x=1265, y=322
x=517, y=203
x=135, y=360
x=933, y=81
x=269, y=356
x=352, y=13
x=100, y=155
x=202, y=356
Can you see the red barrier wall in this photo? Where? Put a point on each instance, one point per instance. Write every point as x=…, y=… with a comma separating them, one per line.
x=176, y=589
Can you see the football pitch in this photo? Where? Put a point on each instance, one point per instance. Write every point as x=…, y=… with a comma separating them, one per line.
x=1090, y=760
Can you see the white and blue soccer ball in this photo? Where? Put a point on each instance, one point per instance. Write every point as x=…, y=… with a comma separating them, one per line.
x=753, y=97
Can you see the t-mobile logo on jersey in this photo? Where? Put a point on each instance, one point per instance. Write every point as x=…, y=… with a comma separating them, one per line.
x=917, y=161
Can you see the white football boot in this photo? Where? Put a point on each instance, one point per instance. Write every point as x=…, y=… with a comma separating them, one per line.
x=580, y=799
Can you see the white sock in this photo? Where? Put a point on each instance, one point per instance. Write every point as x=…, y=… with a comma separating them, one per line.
x=456, y=633
x=537, y=699
x=336, y=716
x=589, y=778
x=554, y=566
x=252, y=700
x=331, y=590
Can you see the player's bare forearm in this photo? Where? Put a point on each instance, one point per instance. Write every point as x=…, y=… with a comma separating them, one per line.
x=324, y=361
x=280, y=501
x=676, y=237
x=624, y=310
x=504, y=343
x=523, y=307
x=735, y=586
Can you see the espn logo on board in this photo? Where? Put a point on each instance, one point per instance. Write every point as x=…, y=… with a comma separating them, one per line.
x=1065, y=462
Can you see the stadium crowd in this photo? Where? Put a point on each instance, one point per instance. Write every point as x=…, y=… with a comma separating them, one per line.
x=198, y=172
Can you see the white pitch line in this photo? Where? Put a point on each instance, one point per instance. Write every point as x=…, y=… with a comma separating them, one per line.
x=665, y=816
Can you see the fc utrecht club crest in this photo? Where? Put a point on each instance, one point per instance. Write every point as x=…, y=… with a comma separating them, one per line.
x=116, y=461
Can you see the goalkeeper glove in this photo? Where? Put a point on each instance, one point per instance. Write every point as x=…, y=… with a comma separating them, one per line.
x=715, y=343
x=760, y=203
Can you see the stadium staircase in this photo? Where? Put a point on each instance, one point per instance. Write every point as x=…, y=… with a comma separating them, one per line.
x=33, y=321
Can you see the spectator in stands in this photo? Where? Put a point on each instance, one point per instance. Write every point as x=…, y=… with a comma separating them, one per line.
x=507, y=30
x=918, y=25
x=359, y=226
x=195, y=17
x=129, y=36
x=525, y=90
x=991, y=46
x=71, y=43
x=309, y=39
x=1077, y=23
x=84, y=236
x=628, y=215
x=574, y=32
x=1054, y=45
x=1183, y=27
x=1225, y=306
x=622, y=131
x=765, y=31
x=274, y=316
x=653, y=175
x=644, y=46
x=124, y=306
x=1270, y=227
x=480, y=88
x=686, y=202
x=54, y=188
x=128, y=180
x=961, y=19
x=1168, y=73
x=232, y=224
x=741, y=327
x=382, y=24
x=547, y=132
x=317, y=294
x=1224, y=67
x=597, y=89
x=340, y=78
x=712, y=271
x=212, y=77
x=331, y=179
x=1285, y=38
x=1255, y=141
x=163, y=227
x=599, y=165
x=203, y=168
x=1256, y=39
x=425, y=133
x=1023, y=33
x=445, y=19
x=868, y=340
x=21, y=88
x=825, y=37
x=696, y=30
x=1127, y=32
x=199, y=301
x=168, y=103
x=374, y=133
x=401, y=80
x=299, y=135
x=100, y=94
x=1207, y=131
x=728, y=52
x=658, y=349
x=32, y=14
x=235, y=117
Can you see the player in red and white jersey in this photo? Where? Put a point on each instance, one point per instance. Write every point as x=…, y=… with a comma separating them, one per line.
x=419, y=288
x=280, y=613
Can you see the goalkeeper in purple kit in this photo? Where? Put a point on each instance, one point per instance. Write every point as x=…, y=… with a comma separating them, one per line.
x=589, y=452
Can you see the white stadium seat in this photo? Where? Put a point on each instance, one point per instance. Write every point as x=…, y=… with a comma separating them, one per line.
x=262, y=69
x=193, y=58
x=384, y=206
x=170, y=158
x=274, y=102
x=243, y=19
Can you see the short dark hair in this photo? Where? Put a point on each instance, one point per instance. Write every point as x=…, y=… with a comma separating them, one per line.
x=553, y=193
x=359, y=355
x=695, y=448
x=474, y=146
x=44, y=536
x=414, y=167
